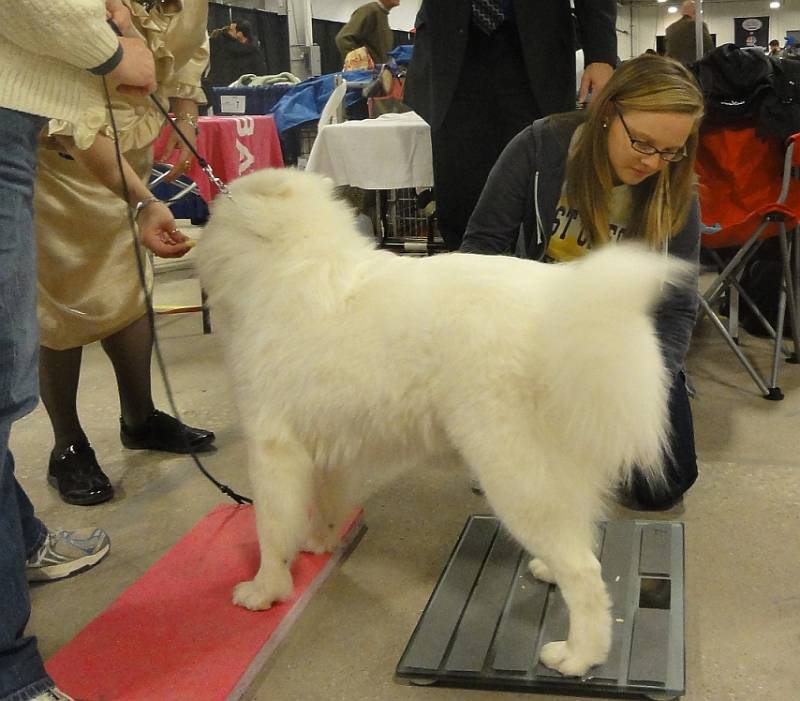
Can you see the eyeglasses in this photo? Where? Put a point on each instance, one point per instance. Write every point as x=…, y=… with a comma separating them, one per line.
x=648, y=149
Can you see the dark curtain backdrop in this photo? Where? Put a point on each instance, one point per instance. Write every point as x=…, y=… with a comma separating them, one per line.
x=325, y=31
x=271, y=29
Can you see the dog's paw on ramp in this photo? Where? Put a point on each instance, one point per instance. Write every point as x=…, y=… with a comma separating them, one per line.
x=175, y=635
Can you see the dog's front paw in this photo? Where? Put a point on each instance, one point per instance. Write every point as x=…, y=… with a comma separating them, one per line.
x=541, y=571
x=558, y=656
x=258, y=594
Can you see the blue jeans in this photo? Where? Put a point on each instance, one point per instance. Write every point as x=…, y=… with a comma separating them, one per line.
x=22, y=673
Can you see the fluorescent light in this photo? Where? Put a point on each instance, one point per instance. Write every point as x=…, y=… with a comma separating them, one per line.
x=774, y=5
x=672, y=9
x=662, y=0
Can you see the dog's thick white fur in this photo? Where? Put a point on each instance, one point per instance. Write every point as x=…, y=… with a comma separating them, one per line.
x=547, y=379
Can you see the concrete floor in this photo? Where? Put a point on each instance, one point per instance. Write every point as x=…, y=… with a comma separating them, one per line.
x=742, y=532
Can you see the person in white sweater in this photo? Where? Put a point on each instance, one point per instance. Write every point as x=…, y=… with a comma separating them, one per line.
x=51, y=52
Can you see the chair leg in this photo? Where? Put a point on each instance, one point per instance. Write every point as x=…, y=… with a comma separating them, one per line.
x=206, y=312
x=796, y=264
x=776, y=353
x=754, y=308
x=733, y=308
x=790, y=291
x=737, y=293
x=769, y=393
x=733, y=265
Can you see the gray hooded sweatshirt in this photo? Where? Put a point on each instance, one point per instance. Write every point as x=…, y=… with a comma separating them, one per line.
x=517, y=208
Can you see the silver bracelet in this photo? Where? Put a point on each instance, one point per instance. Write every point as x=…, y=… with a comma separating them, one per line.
x=139, y=206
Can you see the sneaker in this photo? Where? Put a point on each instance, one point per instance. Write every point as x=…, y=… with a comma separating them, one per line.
x=64, y=553
x=161, y=431
x=53, y=694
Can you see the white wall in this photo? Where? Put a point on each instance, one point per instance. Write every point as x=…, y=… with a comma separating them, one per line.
x=651, y=19
x=624, y=32
x=401, y=17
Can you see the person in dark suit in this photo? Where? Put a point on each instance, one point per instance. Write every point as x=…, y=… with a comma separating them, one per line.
x=482, y=70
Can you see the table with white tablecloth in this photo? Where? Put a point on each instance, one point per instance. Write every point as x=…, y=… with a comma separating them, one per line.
x=391, y=153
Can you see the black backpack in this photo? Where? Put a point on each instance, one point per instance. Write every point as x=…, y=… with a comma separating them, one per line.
x=779, y=108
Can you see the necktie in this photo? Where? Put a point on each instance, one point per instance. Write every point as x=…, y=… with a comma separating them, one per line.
x=487, y=15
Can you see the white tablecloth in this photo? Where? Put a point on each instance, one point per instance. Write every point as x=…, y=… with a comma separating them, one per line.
x=387, y=153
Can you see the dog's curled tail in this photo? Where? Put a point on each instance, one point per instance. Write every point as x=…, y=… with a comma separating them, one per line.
x=612, y=368
x=628, y=277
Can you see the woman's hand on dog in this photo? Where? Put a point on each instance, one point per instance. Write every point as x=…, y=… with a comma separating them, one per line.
x=159, y=233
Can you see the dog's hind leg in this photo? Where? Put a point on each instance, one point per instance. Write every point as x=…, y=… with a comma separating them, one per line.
x=558, y=531
x=577, y=573
x=333, y=504
x=281, y=477
x=551, y=510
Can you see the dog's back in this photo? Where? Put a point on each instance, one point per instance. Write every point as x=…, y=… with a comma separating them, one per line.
x=326, y=332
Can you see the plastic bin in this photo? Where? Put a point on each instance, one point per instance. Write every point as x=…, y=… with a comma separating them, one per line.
x=247, y=100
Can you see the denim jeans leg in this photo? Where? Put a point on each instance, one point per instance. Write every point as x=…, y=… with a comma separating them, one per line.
x=22, y=673
x=34, y=531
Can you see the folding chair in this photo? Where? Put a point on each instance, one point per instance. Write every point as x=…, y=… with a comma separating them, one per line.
x=749, y=193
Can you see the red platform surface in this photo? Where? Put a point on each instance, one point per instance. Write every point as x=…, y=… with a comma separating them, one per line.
x=175, y=635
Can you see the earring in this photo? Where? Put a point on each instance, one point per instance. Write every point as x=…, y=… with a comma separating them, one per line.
x=604, y=124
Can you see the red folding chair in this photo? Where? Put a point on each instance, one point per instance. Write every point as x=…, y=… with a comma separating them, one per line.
x=749, y=192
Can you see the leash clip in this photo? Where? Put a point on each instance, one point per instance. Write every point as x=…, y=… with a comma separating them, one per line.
x=221, y=186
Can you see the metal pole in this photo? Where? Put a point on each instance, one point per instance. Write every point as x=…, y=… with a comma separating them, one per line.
x=299, y=17
x=698, y=29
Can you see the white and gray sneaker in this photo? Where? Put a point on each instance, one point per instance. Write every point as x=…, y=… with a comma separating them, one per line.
x=64, y=553
x=53, y=694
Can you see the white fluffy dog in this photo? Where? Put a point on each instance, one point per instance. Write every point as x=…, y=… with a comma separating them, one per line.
x=547, y=379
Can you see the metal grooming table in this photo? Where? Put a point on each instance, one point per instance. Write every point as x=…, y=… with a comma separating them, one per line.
x=488, y=617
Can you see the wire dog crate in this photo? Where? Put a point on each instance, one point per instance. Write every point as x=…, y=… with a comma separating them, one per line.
x=402, y=223
x=297, y=142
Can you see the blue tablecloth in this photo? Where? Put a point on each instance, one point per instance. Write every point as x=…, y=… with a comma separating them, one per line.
x=402, y=54
x=304, y=102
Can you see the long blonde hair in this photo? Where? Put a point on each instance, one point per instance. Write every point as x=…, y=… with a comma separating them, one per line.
x=648, y=83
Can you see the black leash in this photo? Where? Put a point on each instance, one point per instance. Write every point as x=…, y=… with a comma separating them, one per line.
x=225, y=489
x=204, y=164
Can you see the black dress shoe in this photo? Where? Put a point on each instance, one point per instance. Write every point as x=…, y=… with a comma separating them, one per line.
x=78, y=477
x=161, y=431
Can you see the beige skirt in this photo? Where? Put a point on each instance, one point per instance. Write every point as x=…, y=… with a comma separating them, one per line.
x=89, y=284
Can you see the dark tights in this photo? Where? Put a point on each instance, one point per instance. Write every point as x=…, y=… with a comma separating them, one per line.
x=680, y=466
x=59, y=371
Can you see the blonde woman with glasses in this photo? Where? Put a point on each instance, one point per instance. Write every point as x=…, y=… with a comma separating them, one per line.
x=623, y=169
